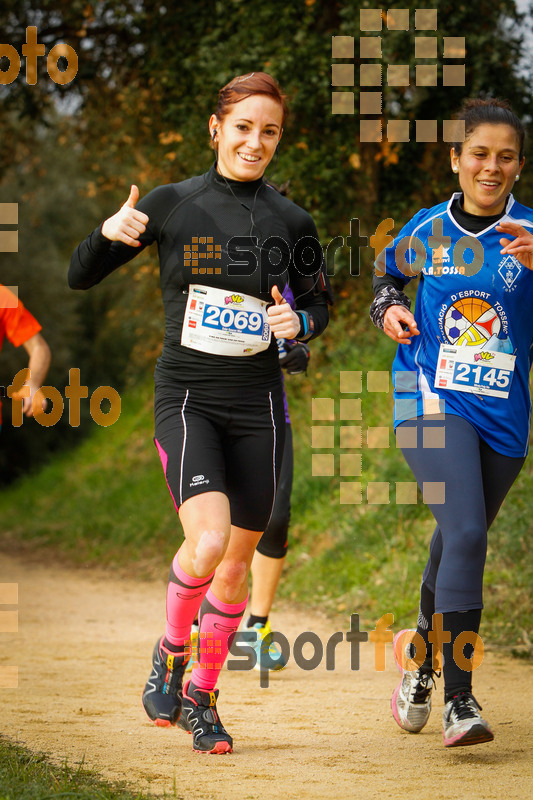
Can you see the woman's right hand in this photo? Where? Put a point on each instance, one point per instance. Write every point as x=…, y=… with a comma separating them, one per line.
x=128, y=223
x=394, y=318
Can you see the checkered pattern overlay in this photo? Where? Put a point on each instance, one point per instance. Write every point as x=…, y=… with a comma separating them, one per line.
x=9, y=623
x=208, y=648
x=9, y=239
x=10, y=298
x=340, y=419
x=374, y=75
x=201, y=251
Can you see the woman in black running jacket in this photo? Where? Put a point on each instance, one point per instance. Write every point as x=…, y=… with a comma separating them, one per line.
x=228, y=244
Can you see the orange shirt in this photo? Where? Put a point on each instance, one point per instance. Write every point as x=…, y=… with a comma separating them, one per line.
x=16, y=322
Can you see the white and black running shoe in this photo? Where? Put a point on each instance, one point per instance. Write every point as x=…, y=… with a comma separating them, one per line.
x=411, y=700
x=462, y=723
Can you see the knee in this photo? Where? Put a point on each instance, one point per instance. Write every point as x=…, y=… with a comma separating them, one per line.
x=471, y=544
x=231, y=577
x=209, y=551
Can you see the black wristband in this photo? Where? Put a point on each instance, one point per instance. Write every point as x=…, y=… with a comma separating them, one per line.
x=307, y=327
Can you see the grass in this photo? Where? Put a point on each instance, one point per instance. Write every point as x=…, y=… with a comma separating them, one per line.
x=106, y=503
x=25, y=775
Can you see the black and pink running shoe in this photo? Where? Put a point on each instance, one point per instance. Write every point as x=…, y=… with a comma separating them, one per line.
x=162, y=693
x=199, y=716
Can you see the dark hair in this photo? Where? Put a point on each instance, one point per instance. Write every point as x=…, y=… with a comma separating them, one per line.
x=476, y=112
x=244, y=86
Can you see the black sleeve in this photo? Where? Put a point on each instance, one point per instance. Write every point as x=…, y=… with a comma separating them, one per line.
x=379, y=281
x=96, y=257
x=312, y=292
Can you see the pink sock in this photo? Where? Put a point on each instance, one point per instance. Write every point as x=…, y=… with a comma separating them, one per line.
x=218, y=623
x=184, y=598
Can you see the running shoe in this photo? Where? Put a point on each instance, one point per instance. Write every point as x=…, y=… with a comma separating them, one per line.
x=199, y=716
x=269, y=656
x=462, y=723
x=162, y=693
x=194, y=648
x=411, y=700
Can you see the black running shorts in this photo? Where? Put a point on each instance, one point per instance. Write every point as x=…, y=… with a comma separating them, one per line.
x=223, y=439
x=275, y=540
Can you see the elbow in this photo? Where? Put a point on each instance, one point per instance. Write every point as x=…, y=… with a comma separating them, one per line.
x=76, y=280
x=73, y=277
x=78, y=277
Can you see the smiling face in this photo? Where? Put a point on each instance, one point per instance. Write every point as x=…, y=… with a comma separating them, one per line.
x=247, y=136
x=488, y=165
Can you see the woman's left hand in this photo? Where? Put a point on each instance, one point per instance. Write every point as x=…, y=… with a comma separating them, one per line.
x=521, y=247
x=283, y=321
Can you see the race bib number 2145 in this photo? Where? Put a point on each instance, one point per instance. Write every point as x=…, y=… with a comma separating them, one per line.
x=464, y=369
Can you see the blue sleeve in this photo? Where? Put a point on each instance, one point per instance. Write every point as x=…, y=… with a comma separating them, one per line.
x=396, y=264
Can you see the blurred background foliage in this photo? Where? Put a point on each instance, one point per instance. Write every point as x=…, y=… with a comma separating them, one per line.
x=137, y=111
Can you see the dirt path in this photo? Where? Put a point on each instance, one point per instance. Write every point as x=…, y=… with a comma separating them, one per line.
x=83, y=649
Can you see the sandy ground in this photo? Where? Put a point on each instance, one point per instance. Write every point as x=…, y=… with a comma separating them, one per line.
x=83, y=649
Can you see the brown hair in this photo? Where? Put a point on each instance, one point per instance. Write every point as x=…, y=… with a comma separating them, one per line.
x=476, y=112
x=245, y=86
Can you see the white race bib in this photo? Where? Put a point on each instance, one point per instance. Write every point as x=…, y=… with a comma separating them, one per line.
x=466, y=369
x=225, y=323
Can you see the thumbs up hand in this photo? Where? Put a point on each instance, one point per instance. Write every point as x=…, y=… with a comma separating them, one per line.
x=134, y=196
x=277, y=296
x=128, y=223
x=283, y=321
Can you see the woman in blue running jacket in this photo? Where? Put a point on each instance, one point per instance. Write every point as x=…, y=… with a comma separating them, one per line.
x=461, y=397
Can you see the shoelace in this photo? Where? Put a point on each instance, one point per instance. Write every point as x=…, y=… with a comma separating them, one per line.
x=174, y=676
x=210, y=717
x=462, y=706
x=425, y=683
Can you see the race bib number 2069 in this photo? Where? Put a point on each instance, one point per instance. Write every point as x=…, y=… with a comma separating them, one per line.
x=228, y=319
x=225, y=323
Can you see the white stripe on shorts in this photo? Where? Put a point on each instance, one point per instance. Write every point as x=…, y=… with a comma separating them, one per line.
x=273, y=451
x=183, y=446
